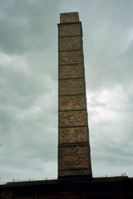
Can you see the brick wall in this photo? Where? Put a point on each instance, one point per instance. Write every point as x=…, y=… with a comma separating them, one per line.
x=74, y=150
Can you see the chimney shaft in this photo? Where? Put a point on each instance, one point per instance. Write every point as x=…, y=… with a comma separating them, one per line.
x=73, y=148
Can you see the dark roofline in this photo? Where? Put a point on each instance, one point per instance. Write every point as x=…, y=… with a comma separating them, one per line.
x=66, y=181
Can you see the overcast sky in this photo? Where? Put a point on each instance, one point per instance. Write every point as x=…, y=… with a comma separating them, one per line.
x=29, y=85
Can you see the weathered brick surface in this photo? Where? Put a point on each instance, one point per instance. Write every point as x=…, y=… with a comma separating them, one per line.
x=74, y=172
x=73, y=135
x=71, y=57
x=72, y=87
x=70, y=30
x=73, y=118
x=74, y=102
x=74, y=151
x=75, y=157
x=69, y=17
x=70, y=43
x=71, y=71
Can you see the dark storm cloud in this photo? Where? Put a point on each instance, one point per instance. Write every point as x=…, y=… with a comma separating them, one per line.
x=24, y=23
x=27, y=32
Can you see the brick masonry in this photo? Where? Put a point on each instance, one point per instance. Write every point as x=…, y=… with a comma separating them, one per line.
x=70, y=43
x=74, y=149
x=69, y=17
x=72, y=101
x=72, y=86
x=73, y=135
x=71, y=71
x=70, y=29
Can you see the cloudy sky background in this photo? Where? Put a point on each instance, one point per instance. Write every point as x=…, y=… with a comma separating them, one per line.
x=29, y=85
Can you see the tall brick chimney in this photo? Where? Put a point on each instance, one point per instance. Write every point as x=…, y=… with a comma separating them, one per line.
x=73, y=149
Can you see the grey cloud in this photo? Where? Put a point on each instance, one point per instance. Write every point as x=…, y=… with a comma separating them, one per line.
x=25, y=26
x=28, y=85
x=106, y=37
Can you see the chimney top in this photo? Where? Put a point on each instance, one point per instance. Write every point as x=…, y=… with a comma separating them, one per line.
x=70, y=17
